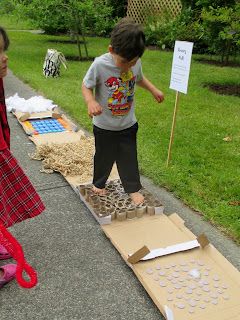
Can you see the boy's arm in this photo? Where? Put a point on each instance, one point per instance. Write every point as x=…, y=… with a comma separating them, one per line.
x=93, y=106
x=146, y=84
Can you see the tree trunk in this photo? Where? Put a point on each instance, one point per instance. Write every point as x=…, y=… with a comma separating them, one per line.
x=79, y=47
x=81, y=31
x=84, y=43
x=77, y=38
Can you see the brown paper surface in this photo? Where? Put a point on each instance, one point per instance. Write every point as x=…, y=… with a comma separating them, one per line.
x=75, y=181
x=43, y=115
x=60, y=137
x=34, y=115
x=162, y=231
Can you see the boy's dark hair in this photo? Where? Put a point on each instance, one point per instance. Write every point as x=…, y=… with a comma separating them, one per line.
x=5, y=38
x=128, y=39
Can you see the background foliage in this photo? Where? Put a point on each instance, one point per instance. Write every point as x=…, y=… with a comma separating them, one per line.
x=58, y=16
x=213, y=26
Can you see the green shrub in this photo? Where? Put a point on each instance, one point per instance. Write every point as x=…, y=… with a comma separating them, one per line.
x=102, y=20
x=222, y=30
x=214, y=3
x=6, y=7
x=164, y=30
x=49, y=16
x=213, y=26
x=119, y=7
x=54, y=16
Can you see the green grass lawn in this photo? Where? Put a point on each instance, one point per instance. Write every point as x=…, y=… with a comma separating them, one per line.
x=205, y=170
x=10, y=21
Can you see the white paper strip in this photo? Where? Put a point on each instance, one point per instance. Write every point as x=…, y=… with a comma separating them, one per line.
x=169, y=313
x=172, y=249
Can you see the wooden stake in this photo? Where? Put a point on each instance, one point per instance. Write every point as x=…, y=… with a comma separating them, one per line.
x=173, y=127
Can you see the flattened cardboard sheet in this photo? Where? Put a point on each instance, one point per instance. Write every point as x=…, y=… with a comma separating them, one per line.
x=59, y=138
x=28, y=128
x=34, y=115
x=213, y=294
x=76, y=181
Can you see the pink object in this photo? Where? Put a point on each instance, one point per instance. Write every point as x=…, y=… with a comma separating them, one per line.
x=9, y=272
x=15, y=249
x=4, y=254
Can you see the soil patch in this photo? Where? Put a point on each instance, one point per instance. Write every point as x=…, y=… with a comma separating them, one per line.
x=224, y=89
x=76, y=58
x=219, y=63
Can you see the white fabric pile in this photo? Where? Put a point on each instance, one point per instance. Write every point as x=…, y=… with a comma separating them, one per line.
x=34, y=104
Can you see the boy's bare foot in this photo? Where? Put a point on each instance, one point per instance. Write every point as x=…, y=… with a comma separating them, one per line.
x=137, y=198
x=100, y=192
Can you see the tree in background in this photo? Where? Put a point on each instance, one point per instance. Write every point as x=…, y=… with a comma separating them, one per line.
x=196, y=4
x=213, y=26
x=6, y=7
x=77, y=17
x=58, y=16
x=221, y=27
x=119, y=7
x=102, y=19
x=164, y=29
x=55, y=16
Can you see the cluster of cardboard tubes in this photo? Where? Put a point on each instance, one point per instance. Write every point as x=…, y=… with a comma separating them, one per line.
x=118, y=204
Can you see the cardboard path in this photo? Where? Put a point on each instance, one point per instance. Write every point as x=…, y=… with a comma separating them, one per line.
x=198, y=283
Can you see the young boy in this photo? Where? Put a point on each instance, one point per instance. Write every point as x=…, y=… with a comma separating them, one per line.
x=113, y=77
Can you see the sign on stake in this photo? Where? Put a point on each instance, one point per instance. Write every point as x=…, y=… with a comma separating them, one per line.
x=179, y=79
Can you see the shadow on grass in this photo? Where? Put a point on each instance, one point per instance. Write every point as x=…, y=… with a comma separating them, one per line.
x=69, y=41
x=219, y=63
x=76, y=58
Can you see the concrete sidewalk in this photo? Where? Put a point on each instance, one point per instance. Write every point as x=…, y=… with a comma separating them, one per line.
x=81, y=275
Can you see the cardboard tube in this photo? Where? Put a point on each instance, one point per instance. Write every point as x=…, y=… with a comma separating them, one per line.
x=99, y=210
x=82, y=190
x=140, y=211
x=157, y=203
x=131, y=214
x=88, y=193
x=151, y=210
x=113, y=215
x=121, y=215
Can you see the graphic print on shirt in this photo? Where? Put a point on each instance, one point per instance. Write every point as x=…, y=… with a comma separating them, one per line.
x=120, y=93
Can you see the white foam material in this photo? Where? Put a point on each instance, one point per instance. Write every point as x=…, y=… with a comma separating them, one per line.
x=33, y=104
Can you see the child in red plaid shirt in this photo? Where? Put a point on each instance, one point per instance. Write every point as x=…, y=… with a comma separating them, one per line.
x=18, y=198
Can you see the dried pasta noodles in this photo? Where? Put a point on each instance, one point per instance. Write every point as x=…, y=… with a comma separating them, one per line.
x=70, y=159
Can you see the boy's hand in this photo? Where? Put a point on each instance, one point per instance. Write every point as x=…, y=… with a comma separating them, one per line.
x=158, y=95
x=146, y=84
x=94, y=108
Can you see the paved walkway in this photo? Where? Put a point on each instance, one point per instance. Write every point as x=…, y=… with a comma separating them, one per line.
x=81, y=275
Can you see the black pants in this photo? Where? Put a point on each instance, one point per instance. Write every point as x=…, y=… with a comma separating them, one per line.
x=119, y=146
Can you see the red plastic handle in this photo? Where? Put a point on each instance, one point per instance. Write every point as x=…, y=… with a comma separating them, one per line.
x=15, y=249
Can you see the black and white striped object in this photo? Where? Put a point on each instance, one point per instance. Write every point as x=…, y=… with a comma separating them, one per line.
x=52, y=63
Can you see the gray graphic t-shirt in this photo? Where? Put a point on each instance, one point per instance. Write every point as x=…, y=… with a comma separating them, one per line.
x=114, y=91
